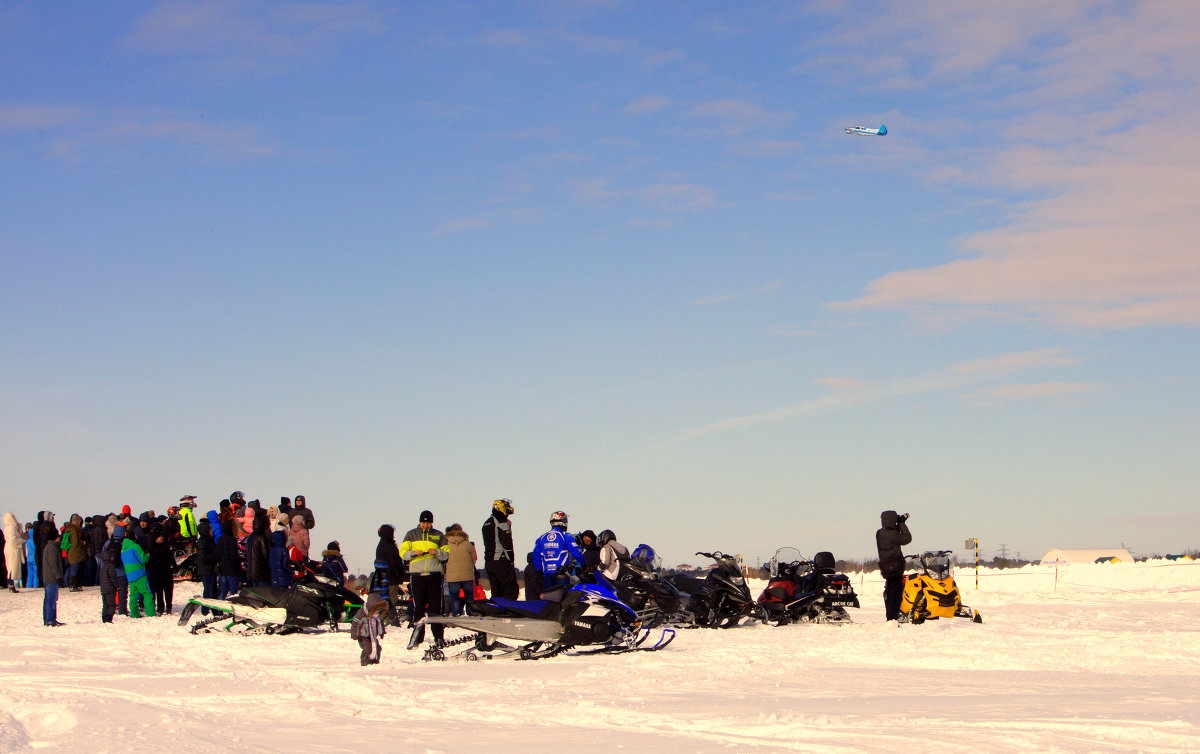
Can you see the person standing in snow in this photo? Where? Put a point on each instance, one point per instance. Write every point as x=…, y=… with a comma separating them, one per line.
x=367, y=629
x=52, y=572
x=281, y=569
x=389, y=567
x=553, y=552
x=110, y=564
x=499, y=561
x=31, y=558
x=206, y=559
x=460, y=568
x=424, y=549
x=133, y=559
x=891, y=536
x=14, y=550
x=229, y=562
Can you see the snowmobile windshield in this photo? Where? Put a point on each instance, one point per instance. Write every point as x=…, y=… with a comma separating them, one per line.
x=784, y=560
x=936, y=565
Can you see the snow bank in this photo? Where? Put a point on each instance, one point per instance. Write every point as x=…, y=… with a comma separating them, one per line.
x=1088, y=658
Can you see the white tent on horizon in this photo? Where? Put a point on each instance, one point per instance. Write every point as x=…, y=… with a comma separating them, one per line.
x=1061, y=556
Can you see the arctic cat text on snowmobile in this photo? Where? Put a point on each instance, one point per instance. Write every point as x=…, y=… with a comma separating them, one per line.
x=314, y=600
x=720, y=600
x=930, y=591
x=586, y=613
x=806, y=591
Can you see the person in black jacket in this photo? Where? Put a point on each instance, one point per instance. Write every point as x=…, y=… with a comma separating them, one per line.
x=498, y=558
x=591, y=550
x=229, y=562
x=160, y=568
x=889, y=539
x=258, y=553
x=206, y=560
x=387, y=558
x=533, y=579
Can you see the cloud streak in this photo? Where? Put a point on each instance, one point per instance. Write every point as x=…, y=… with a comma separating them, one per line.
x=848, y=392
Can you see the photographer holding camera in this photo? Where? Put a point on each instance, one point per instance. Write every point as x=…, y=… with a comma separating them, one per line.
x=889, y=539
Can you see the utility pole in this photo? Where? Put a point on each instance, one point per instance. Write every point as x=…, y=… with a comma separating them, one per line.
x=1004, y=552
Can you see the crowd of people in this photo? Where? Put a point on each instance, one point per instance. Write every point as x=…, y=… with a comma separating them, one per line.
x=134, y=559
x=440, y=569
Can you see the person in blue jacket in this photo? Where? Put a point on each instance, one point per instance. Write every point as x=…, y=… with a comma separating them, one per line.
x=281, y=572
x=553, y=551
x=31, y=558
x=214, y=524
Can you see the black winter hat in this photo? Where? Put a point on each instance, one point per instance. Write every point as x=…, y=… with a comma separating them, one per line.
x=426, y=517
x=334, y=546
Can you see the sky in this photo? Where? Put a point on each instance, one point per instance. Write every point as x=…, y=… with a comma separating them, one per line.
x=613, y=258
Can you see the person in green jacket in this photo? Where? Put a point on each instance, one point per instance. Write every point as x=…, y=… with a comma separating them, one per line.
x=134, y=558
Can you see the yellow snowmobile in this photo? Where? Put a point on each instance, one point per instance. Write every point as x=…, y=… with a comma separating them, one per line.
x=930, y=591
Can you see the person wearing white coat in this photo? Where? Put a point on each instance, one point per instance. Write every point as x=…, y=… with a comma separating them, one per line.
x=14, y=549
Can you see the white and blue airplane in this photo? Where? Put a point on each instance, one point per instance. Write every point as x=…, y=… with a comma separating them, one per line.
x=864, y=131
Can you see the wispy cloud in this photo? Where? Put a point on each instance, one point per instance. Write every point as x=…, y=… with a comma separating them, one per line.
x=848, y=392
x=236, y=38
x=1010, y=393
x=721, y=298
x=75, y=132
x=37, y=116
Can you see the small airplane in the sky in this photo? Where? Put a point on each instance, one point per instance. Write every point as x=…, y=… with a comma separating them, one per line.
x=864, y=131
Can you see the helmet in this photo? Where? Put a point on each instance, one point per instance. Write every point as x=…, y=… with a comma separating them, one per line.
x=237, y=498
x=559, y=520
x=606, y=536
x=503, y=505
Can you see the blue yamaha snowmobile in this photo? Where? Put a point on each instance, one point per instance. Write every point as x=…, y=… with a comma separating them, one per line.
x=587, y=613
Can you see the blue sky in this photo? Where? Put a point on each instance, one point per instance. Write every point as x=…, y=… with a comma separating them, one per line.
x=613, y=258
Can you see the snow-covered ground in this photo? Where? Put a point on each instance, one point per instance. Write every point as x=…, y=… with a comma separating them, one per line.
x=1088, y=658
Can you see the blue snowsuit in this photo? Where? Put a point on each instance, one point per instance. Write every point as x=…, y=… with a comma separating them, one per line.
x=552, y=551
x=281, y=572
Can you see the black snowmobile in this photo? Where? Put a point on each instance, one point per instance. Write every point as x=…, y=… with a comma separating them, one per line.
x=803, y=591
x=721, y=599
x=656, y=600
x=314, y=600
x=586, y=613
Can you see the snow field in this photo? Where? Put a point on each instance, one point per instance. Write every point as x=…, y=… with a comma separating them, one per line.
x=1107, y=659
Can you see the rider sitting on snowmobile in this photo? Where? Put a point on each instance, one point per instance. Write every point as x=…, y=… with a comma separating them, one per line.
x=553, y=551
x=612, y=555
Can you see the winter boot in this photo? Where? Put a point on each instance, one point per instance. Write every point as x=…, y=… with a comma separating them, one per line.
x=418, y=636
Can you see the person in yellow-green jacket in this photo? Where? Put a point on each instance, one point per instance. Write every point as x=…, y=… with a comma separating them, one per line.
x=425, y=551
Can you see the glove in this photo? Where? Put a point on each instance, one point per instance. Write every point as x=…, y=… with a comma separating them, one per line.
x=904, y=518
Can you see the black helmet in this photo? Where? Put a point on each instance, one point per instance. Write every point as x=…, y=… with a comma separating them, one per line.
x=606, y=536
x=503, y=506
x=237, y=498
x=559, y=520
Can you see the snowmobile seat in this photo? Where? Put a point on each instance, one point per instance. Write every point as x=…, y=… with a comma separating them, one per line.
x=261, y=596
x=824, y=563
x=531, y=608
